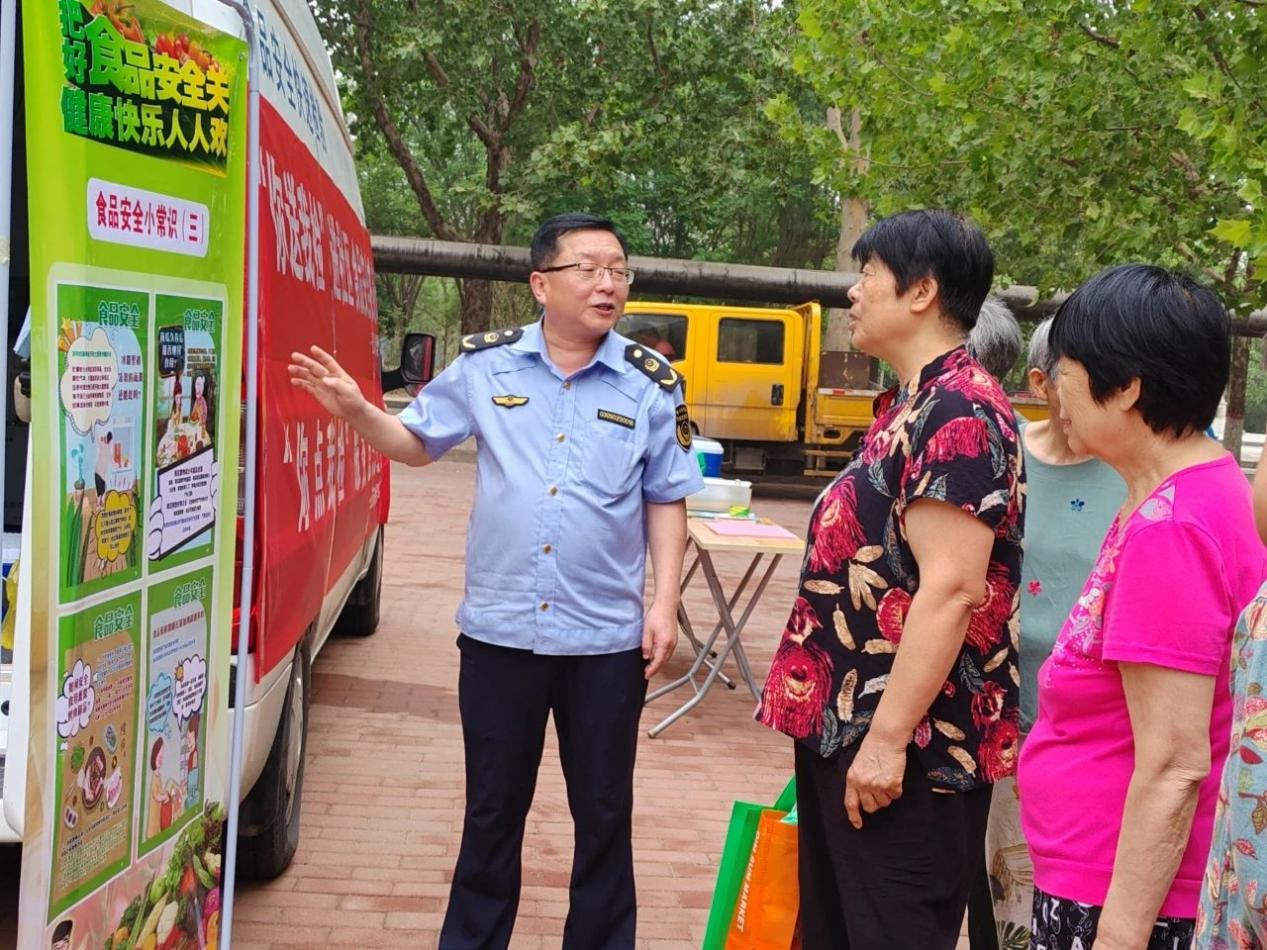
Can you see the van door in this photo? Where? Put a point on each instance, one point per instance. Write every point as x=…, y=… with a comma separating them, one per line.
x=753, y=385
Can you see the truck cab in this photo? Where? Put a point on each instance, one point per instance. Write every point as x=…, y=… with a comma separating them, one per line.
x=758, y=381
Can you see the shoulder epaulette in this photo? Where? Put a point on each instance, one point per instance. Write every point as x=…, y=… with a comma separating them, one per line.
x=483, y=341
x=652, y=364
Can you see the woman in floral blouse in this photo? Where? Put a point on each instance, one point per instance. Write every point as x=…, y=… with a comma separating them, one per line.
x=897, y=671
x=1117, y=788
x=1233, y=910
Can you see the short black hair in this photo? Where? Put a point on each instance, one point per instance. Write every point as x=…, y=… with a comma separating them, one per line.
x=63, y=930
x=939, y=244
x=1139, y=321
x=545, y=243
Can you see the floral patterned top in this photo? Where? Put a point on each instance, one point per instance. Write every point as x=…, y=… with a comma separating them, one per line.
x=1233, y=910
x=949, y=435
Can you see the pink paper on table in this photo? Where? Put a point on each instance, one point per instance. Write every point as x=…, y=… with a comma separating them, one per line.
x=749, y=529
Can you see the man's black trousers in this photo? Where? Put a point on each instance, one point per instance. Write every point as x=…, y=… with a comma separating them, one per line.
x=505, y=697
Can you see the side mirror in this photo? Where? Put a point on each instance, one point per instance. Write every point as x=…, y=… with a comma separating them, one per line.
x=417, y=364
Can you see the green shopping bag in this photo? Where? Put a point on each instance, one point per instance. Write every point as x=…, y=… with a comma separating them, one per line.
x=744, y=818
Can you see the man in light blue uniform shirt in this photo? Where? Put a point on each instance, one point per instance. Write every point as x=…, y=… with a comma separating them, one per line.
x=583, y=464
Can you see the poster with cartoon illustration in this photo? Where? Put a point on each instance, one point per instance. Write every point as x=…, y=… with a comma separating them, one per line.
x=175, y=705
x=100, y=364
x=186, y=401
x=96, y=743
x=136, y=262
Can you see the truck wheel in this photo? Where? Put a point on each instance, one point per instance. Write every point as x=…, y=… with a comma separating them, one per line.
x=359, y=617
x=270, y=814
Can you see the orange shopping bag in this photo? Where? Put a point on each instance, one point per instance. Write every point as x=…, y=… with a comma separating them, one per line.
x=765, y=914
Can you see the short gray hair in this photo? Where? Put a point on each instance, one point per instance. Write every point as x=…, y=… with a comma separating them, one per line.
x=1041, y=356
x=996, y=340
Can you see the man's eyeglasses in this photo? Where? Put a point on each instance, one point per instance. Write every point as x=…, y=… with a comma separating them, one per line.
x=593, y=273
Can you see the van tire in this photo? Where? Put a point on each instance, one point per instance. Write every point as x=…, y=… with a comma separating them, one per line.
x=272, y=808
x=359, y=617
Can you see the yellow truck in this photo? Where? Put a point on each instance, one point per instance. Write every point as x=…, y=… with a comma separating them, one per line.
x=758, y=381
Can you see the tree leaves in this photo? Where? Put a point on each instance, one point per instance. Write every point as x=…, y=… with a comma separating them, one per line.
x=1077, y=133
x=651, y=113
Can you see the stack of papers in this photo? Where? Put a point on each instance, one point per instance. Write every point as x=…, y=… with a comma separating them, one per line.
x=750, y=529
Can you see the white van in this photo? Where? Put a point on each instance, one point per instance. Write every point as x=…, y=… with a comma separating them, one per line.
x=318, y=565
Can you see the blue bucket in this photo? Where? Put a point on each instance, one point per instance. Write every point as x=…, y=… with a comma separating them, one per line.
x=709, y=454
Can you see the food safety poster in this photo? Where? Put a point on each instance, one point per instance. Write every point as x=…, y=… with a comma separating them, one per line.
x=137, y=263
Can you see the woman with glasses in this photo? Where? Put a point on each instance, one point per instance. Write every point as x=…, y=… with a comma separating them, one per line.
x=1119, y=775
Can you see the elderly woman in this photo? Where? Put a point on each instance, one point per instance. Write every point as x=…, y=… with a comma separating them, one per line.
x=1070, y=501
x=996, y=342
x=1116, y=786
x=1233, y=910
x=897, y=671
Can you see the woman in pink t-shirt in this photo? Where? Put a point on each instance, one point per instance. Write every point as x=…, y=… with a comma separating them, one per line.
x=1118, y=778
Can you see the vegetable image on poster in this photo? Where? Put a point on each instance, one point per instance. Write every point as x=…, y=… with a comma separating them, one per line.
x=186, y=401
x=95, y=715
x=101, y=383
x=175, y=705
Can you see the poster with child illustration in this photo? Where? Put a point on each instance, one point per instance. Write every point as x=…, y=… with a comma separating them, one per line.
x=175, y=706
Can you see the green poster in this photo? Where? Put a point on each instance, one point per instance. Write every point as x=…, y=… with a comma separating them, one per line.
x=96, y=744
x=135, y=120
x=187, y=388
x=100, y=356
x=175, y=705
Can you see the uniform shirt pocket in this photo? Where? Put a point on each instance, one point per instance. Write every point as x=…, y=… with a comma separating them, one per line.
x=610, y=465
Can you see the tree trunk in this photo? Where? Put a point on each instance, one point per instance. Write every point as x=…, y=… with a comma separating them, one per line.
x=1234, y=423
x=476, y=297
x=854, y=213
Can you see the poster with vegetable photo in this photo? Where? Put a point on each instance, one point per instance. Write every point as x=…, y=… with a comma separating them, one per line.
x=186, y=401
x=168, y=900
x=96, y=743
x=175, y=706
x=101, y=382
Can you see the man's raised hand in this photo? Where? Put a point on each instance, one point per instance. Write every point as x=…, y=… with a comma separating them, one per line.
x=327, y=381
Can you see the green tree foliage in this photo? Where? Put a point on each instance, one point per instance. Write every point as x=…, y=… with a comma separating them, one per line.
x=1079, y=133
x=489, y=115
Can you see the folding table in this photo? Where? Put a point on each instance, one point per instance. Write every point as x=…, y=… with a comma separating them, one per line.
x=706, y=541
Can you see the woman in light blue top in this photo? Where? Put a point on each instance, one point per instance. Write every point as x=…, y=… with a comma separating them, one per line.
x=1070, y=504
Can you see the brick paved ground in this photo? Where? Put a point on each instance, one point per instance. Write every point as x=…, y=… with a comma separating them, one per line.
x=383, y=791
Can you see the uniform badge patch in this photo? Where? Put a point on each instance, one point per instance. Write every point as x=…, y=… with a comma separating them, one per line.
x=482, y=341
x=510, y=402
x=683, y=428
x=615, y=417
